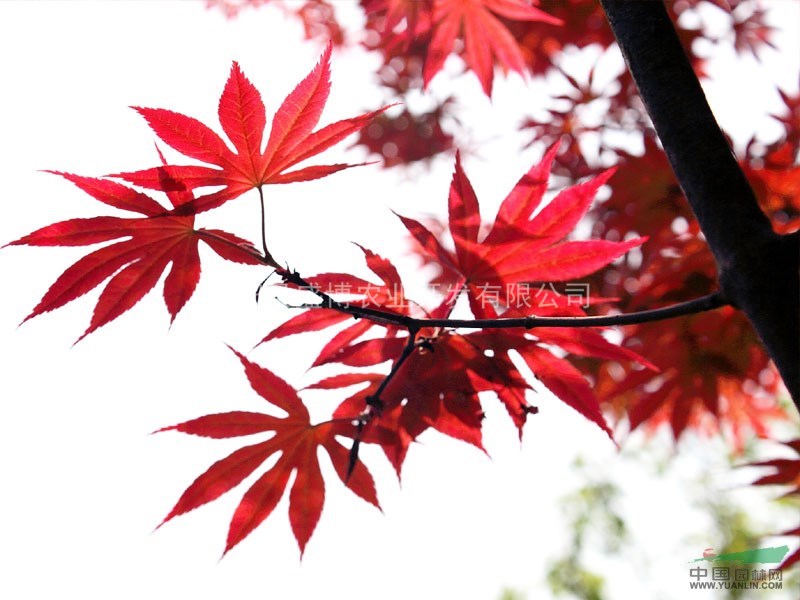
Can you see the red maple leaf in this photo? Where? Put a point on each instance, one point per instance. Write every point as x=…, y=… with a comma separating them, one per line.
x=436, y=387
x=582, y=23
x=294, y=439
x=400, y=31
x=714, y=375
x=498, y=272
x=143, y=248
x=486, y=39
x=398, y=21
x=518, y=250
x=555, y=372
x=645, y=196
x=775, y=178
x=242, y=116
x=752, y=32
x=786, y=472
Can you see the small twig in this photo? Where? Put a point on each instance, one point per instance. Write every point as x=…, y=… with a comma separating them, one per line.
x=303, y=306
x=411, y=343
x=261, y=285
x=375, y=404
x=378, y=316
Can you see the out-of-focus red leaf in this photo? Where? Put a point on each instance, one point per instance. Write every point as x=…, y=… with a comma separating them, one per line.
x=408, y=137
x=786, y=472
x=486, y=39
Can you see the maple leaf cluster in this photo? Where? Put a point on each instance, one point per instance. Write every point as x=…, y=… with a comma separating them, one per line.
x=730, y=386
x=162, y=238
x=407, y=367
x=711, y=373
x=317, y=16
x=439, y=383
x=714, y=374
x=437, y=372
x=167, y=236
x=414, y=39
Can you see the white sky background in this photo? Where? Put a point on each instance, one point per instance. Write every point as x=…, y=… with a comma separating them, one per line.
x=83, y=482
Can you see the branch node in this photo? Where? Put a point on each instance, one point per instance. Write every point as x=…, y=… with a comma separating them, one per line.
x=376, y=403
x=426, y=344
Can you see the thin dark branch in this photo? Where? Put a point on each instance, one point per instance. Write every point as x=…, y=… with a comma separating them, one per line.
x=758, y=269
x=696, y=305
x=411, y=344
x=374, y=402
x=704, y=303
x=377, y=316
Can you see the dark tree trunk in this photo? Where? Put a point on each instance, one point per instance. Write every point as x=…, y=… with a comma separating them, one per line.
x=759, y=270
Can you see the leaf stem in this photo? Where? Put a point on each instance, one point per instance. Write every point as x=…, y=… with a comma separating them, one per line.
x=263, y=221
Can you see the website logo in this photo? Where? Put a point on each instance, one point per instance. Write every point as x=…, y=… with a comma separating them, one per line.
x=738, y=570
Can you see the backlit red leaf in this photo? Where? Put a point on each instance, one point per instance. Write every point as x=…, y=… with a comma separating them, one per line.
x=296, y=442
x=142, y=249
x=243, y=119
x=486, y=39
x=566, y=382
x=518, y=249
